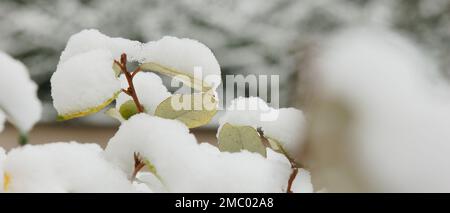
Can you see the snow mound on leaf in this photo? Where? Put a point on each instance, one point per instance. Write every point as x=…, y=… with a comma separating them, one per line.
x=149, y=88
x=186, y=166
x=87, y=61
x=18, y=94
x=88, y=40
x=182, y=54
x=83, y=83
x=185, y=55
x=63, y=167
x=286, y=125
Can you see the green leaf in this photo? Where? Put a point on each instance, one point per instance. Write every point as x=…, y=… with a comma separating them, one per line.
x=184, y=77
x=275, y=145
x=237, y=138
x=23, y=139
x=128, y=109
x=194, y=110
x=117, y=69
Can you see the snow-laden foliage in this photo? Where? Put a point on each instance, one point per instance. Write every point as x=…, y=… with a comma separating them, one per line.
x=379, y=100
x=183, y=165
x=84, y=84
x=154, y=132
x=150, y=90
x=18, y=95
x=61, y=167
x=285, y=125
x=89, y=57
x=185, y=55
x=88, y=40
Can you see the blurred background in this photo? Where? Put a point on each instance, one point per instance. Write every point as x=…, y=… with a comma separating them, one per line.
x=247, y=36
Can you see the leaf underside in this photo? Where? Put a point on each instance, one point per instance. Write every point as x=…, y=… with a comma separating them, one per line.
x=236, y=138
x=87, y=111
x=197, y=113
x=185, y=77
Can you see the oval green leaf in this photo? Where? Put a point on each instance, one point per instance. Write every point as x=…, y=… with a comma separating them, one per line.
x=194, y=110
x=236, y=138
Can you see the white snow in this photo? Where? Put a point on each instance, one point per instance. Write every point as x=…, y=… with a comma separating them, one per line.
x=184, y=55
x=286, y=125
x=400, y=109
x=18, y=94
x=141, y=187
x=150, y=181
x=149, y=88
x=185, y=166
x=302, y=182
x=88, y=40
x=84, y=82
x=84, y=78
x=63, y=167
x=2, y=174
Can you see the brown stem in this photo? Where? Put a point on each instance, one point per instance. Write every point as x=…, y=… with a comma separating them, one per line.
x=129, y=76
x=138, y=165
x=138, y=69
x=294, y=165
x=292, y=178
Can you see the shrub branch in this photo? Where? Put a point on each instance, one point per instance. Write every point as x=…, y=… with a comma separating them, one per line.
x=138, y=165
x=129, y=76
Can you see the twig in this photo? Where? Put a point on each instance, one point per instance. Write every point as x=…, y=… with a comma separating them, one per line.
x=294, y=165
x=292, y=178
x=129, y=76
x=138, y=69
x=138, y=165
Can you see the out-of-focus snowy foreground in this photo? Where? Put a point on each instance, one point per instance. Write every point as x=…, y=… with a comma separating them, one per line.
x=370, y=79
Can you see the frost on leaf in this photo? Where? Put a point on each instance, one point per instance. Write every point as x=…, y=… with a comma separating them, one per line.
x=84, y=84
x=194, y=110
x=19, y=103
x=238, y=138
x=283, y=128
x=186, y=166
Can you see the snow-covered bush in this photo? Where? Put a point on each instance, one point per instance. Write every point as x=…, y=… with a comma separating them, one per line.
x=153, y=147
x=18, y=96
